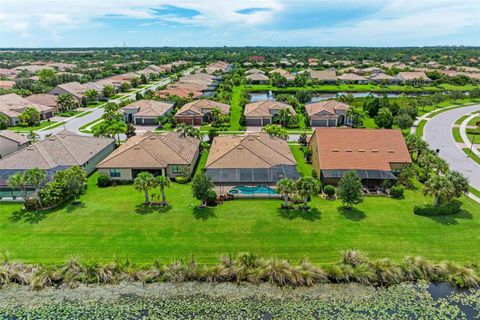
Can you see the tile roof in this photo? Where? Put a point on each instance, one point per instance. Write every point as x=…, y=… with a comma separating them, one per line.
x=43, y=99
x=257, y=77
x=351, y=77
x=201, y=107
x=323, y=75
x=63, y=149
x=16, y=137
x=254, y=150
x=151, y=150
x=74, y=88
x=12, y=105
x=412, y=75
x=149, y=108
x=325, y=107
x=264, y=108
x=360, y=149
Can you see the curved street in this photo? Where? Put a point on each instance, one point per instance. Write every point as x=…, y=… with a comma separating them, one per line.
x=438, y=134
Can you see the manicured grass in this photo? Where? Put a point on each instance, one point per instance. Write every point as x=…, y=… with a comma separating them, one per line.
x=42, y=125
x=472, y=155
x=69, y=114
x=303, y=168
x=420, y=127
x=94, y=104
x=235, y=109
x=201, y=162
x=461, y=119
x=456, y=135
x=56, y=125
x=474, y=191
x=83, y=114
x=473, y=122
x=112, y=222
x=82, y=128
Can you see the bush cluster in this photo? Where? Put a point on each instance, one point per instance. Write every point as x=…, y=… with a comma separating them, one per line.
x=329, y=190
x=246, y=267
x=396, y=192
x=439, y=210
x=103, y=181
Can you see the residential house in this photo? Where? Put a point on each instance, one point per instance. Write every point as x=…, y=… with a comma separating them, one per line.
x=198, y=111
x=160, y=154
x=48, y=100
x=7, y=84
x=352, y=78
x=384, y=78
x=414, y=76
x=218, y=66
x=12, y=105
x=75, y=89
x=284, y=73
x=323, y=76
x=257, y=78
x=256, y=58
x=261, y=113
x=146, y=112
x=11, y=142
x=375, y=154
x=55, y=153
x=254, y=159
x=327, y=113
x=10, y=73
x=253, y=71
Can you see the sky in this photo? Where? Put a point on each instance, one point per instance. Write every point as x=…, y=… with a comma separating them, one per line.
x=159, y=23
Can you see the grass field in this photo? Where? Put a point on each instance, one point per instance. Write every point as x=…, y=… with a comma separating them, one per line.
x=236, y=109
x=456, y=135
x=363, y=88
x=112, y=222
x=42, y=125
x=472, y=155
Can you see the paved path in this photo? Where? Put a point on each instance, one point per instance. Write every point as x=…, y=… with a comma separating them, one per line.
x=463, y=134
x=438, y=133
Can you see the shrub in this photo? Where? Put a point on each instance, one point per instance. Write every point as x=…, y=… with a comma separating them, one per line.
x=329, y=190
x=32, y=204
x=440, y=210
x=103, y=181
x=182, y=179
x=396, y=192
x=211, y=198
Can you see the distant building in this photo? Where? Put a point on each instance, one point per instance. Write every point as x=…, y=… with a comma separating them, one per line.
x=12, y=106
x=145, y=112
x=261, y=113
x=196, y=112
x=327, y=113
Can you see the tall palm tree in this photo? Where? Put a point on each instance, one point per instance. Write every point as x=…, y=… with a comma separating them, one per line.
x=144, y=182
x=285, y=187
x=284, y=116
x=17, y=181
x=116, y=128
x=355, y=114
x=307, y=187
x=215, y=112
x=35, y=177
x=439, y=187
x=163, y=182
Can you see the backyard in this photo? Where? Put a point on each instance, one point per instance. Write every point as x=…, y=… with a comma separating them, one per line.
x=111, y=222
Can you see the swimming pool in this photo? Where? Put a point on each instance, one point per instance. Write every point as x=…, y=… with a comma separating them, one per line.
x=254, y=190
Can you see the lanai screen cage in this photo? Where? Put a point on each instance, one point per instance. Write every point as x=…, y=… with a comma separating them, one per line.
x=252, y=176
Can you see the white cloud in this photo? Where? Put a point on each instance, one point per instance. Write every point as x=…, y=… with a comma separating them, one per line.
x=395, y=22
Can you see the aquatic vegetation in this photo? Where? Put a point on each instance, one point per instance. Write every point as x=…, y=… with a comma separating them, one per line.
x=353, y=267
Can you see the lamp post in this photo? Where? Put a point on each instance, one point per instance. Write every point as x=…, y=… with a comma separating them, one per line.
x=475, y=134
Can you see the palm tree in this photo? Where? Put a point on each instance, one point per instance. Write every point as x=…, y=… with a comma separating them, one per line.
x=189, y=131
x=284, y=116
x=117, y=127
x=163, y=182
x=276, y=131
x=35, y=177
x=355, y=114
x=439, y=187
x=144, y=182
x=307, y=187
x=215, y=113
x=285, y=187
x=17, y=181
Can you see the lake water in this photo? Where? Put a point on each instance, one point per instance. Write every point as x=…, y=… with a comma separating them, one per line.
x=230, y=301
x=261, y=96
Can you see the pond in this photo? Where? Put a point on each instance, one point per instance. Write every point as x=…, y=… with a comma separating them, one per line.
x=260, y=96
x=231, y=301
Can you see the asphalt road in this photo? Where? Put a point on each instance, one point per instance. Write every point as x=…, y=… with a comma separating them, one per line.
x=75, y=123
x=438, y=133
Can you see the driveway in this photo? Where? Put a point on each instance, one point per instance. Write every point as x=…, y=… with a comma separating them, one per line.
x=438, y=134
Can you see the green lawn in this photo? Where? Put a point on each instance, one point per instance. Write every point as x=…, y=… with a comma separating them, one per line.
x=235, y=109
x=303, y=168
x=112, y=222
x=42, y=125
x=472, y=155
x=461, y=119
x=456, y=135
x=474, y=121
x=420, y=127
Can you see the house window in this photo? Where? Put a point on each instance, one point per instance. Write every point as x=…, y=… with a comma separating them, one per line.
x=176, y=169
x=115, y=173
